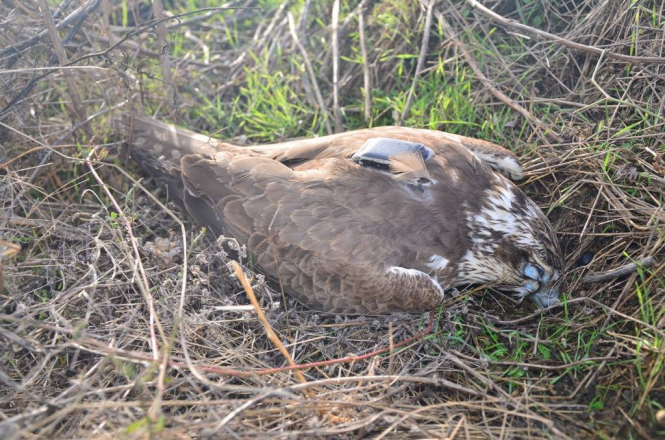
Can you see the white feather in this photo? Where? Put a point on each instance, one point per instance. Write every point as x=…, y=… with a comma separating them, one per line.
x=437, y=262
x=403, y=271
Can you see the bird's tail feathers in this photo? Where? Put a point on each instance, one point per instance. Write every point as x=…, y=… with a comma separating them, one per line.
x=166, y=140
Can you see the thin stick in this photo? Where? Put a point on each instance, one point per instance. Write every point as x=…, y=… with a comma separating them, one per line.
x=58, y=141
x=188, y=363
x=609, y=97
x=335, y=54
x=266, y=324
x=181, y=305
x=367, y=80
x=491, y=87
x=302, y=21
x=25, y=44
x=583, y=299
x=143, y=285
x=310, y=72
x=140, y=29
x=591, y=211
x=391, y=346
x=42, y=69
x=59, y=50
x=164, y=60
x=547, y=36
x=248, y=403
x=5, y=165
x=103, y=348
x=7, y=250
x=137, y=30
x=457, y=427
x=75, y=28
x=350, y=359
x=155, y=408
x=421, y=63
x=619, y=271
x=268, y=33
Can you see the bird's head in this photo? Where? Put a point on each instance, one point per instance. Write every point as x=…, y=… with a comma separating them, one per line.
x=513, y=246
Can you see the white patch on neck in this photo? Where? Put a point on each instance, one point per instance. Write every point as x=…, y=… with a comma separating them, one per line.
x=499, y=215
x=437, y=262
x=476, y=267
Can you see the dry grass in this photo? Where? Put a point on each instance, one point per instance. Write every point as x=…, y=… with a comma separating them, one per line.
x=104, y=336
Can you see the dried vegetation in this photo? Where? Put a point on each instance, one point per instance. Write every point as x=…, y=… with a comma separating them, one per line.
x=102, y=336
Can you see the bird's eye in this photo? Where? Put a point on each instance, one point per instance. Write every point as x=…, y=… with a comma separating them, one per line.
x=534, y=271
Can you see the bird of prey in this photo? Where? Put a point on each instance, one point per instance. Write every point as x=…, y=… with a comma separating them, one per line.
x=370, y=221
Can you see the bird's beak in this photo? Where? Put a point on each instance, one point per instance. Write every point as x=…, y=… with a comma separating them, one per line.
x=546, y=297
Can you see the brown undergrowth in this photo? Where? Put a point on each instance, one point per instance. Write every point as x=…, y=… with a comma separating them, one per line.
x=121, y=318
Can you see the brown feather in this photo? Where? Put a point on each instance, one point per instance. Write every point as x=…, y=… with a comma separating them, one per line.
x=409, y=166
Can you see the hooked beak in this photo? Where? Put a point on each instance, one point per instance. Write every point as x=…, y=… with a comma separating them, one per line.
x=546, y=297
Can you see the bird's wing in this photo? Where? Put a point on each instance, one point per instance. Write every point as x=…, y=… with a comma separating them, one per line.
x=174, y=142
x=299, y=152
x=340, y=238
x=167, y=140
x=494, y=156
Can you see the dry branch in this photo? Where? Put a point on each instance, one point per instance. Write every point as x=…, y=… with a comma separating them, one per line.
x=77, y=105
x=490, y=86
x=310, y=72
x=619, y=271
x=73, y=16
x=164, y=58
x=421, y=62
x=77, y=19
x=142, y=280
x=266, y=324
x=551, y=37
x=335, y=54
x=367, y=80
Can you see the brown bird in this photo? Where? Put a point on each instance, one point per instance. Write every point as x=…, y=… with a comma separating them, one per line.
x=370, y=221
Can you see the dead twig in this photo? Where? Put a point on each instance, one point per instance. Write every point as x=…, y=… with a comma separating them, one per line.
x=268, y=33
x=312, y=76
x=143, y=284
x=7, y=250
x=609, y=309
x=25, y=44
x=335, y=54
x=490, y=86
x=619, y=271
x=266, y=324
x=155, y=409
x=421, y=63
x=551, y=37
x=59, y=50
x=367, y=80
x=164, y=59
x=78, y=17
x=137, y=30
x=101, y=347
